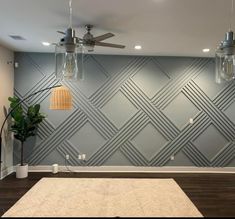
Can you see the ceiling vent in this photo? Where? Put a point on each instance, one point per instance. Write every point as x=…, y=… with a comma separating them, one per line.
x=17, y=37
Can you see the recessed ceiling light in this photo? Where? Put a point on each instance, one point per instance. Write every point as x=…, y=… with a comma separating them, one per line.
x=46, y=44
x=138, y=47
x=206, y=50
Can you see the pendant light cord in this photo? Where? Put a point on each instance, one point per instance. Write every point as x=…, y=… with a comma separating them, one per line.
x=231, y=16
x=70, y=13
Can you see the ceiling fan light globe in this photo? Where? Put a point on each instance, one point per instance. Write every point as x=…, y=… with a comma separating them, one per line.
x=89, y=48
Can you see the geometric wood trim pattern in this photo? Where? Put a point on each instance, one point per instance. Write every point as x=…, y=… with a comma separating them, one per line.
x=118, y=98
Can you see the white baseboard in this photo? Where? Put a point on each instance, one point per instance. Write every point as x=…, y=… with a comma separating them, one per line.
x=6, y=171
x=123, y=169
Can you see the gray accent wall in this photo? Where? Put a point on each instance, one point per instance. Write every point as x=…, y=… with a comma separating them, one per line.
x=132, y=111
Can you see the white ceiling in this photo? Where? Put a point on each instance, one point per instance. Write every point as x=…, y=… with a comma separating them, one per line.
x=162, y=27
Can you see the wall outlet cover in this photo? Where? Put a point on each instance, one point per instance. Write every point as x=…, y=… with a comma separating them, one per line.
x=83, y=156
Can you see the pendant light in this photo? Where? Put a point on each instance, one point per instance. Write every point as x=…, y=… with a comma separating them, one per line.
x=66, y=53
x=225, y=55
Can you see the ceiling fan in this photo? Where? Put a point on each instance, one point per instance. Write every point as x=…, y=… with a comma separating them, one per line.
x=89, y=41
x=70, y=41
x=67, y=49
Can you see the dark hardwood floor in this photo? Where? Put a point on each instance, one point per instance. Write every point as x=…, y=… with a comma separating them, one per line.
x=212, y=194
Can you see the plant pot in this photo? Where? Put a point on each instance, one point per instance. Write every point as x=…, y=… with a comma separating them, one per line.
x=22, y=171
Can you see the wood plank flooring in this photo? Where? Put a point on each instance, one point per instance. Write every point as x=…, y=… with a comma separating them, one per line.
x=212, y=194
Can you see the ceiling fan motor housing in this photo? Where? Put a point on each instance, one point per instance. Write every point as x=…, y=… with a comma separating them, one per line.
x=88, y=40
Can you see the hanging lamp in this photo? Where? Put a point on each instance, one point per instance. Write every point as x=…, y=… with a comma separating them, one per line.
x=225, y=55
x=66, y=53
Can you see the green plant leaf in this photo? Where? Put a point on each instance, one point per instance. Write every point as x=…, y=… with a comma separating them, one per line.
x=24, y=124
x=37, y=108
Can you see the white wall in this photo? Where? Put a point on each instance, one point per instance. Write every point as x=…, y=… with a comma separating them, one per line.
x=6, y=90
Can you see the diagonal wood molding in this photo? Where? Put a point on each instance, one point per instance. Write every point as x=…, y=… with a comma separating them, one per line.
x=119, y=108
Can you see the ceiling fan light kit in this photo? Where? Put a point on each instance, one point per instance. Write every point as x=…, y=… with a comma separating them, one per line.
x=225, y=56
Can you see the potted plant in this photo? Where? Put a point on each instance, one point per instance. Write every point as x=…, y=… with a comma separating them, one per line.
x=24, y=125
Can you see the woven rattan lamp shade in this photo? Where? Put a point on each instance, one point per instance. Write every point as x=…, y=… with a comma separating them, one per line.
x=61, y=99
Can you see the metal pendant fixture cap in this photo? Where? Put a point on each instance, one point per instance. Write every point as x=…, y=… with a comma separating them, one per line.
x=228, y=45
x=70, y=41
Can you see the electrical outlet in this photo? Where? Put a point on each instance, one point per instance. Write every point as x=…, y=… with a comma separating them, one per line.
x=16, y=64
x=83, y=156
x=191, y=121
x=67, y=156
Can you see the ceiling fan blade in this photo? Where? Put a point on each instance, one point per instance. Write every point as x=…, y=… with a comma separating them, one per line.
x=103, y=37
x=109, y=45
x=61, y=32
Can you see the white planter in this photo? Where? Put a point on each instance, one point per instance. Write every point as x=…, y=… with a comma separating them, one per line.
x=22, y=171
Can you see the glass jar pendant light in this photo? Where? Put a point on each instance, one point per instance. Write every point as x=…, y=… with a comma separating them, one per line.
x=66, y=54
x=225, y=55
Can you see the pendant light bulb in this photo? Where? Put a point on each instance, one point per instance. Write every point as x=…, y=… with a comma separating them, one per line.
x=70, y=68
x=228, y=70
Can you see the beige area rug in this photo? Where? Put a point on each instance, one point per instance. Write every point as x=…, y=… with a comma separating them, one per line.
x=75, y=197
